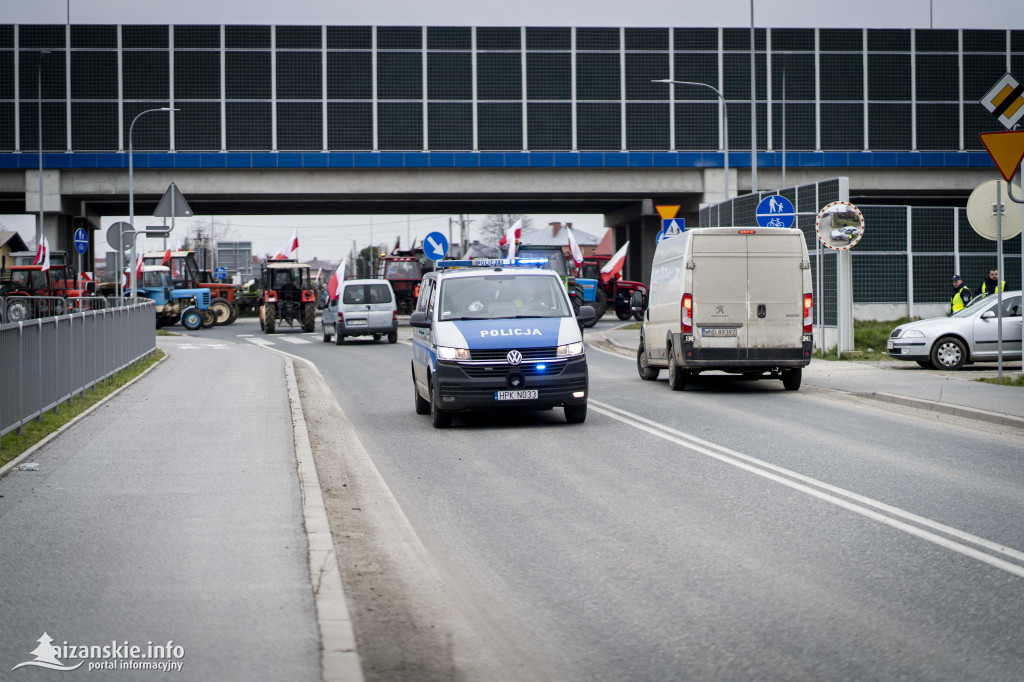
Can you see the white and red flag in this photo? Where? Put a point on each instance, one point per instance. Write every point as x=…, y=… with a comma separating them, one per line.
x=614, y=266
x=138, y=268
x=167, y=257
x=574, y=248
x=511, y=237
x=336, y=279
x=43, y=254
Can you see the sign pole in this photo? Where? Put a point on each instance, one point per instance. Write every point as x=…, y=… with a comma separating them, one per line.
x=999, y=289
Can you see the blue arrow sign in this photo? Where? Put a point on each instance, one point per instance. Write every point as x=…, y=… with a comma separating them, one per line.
x=81, y=240
x=435, y=245
x=776, y=211
x=220, y=273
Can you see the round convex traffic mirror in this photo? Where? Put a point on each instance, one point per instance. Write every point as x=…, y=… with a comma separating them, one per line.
x=840, y=225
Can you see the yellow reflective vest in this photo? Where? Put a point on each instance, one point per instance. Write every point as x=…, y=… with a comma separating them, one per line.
x=961, y=297
x=995, y=289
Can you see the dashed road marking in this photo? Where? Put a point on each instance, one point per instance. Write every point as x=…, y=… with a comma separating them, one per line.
x=295, y=339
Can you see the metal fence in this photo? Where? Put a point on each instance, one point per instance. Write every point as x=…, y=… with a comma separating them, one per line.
x=48, y=361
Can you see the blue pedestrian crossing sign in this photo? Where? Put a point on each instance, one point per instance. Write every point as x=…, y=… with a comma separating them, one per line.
x=220, y=272
x=81, y=240
x=776, y=211
x=669, y=227
x=435, y=245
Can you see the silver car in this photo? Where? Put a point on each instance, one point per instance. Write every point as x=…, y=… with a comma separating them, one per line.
x=969, y=335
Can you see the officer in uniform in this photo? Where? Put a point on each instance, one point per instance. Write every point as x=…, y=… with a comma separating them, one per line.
x=961, y=295
x=992, y=285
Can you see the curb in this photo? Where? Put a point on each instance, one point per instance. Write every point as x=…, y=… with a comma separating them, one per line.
x=10, y=466
x=943, y=408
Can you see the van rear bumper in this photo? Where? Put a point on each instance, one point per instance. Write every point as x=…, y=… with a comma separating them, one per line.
x=740, y=358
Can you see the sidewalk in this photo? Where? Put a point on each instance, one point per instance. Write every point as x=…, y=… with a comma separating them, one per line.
x=172, y=512
x=902, y=383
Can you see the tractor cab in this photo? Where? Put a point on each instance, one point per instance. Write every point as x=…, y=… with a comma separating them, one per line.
x=404, y=273
x=288, y=295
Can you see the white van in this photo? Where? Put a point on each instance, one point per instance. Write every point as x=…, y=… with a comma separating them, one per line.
x=731, y=299
x=364, y=307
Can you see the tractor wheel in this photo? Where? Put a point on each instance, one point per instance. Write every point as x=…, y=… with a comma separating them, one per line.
x=623, y=313
x=209, y=319
x=221, y=311
x=601, y=304
x=191, y=319
x=638, y=316
x=309, y=317
x=234, y=313
x=17, y=311
x=159, y=322
x=576, y=294
x=269, y=317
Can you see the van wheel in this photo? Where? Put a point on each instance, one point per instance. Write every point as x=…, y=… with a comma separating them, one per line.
x=422, y=406
x=392, y=337
x=576, y=414
x=327, y=335
x=647, y=373
x=339, y=338
x=676, y=374
x=791, y=378
x=438, y=417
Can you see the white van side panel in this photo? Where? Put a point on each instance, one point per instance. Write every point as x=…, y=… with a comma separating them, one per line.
x=668, y=272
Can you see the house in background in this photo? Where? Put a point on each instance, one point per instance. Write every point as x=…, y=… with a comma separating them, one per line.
x=555, y=234
x=10, y=242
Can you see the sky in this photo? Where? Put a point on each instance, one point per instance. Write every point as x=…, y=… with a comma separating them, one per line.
x=329, y=237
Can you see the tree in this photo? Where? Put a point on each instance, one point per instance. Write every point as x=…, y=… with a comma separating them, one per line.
x=495, y=225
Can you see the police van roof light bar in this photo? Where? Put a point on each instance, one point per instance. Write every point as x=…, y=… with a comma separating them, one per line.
x=493, y=262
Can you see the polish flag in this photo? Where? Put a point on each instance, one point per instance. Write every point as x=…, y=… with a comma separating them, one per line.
x=319, y=274
x=43, y=254
x=138, y=268
x=574, y=248
x=293, y=243
x=167, y=257
x=332, y=286
x=511, y=237
x=613, y=267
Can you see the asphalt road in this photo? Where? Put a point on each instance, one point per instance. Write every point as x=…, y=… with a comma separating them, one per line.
x=733, y=531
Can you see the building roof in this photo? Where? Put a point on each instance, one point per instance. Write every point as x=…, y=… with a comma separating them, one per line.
x=607, y=245
x=12, y=240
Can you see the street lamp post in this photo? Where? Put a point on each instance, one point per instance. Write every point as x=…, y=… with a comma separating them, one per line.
x=131, y=194
x=39, y=121
x=725, y=121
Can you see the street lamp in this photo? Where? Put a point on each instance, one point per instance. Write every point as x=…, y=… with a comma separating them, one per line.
x=131, y=193
x=725, y=121
x=39, y=116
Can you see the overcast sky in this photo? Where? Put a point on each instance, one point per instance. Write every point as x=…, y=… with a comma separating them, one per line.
x=330, y=237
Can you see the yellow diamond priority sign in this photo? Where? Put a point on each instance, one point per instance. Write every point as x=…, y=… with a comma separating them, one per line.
x=1005, y=101
x=1006, y=149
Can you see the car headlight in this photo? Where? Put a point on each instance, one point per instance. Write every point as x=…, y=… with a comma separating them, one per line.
x=448, y=353
x=570, y=349
x=912, y=334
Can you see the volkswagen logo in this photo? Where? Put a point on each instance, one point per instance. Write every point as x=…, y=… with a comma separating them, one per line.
x=514, y=357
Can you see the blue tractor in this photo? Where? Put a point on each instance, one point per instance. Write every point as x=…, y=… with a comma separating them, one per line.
x=190, y=306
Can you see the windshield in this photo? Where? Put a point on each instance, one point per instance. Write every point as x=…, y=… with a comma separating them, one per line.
x=156, y=279
x=499, y=296
x=403, y=269
x=556, y=261
x=973, y=306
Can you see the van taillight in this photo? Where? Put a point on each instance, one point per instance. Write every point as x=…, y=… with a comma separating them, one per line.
x=416, y=292
x=394, y=316
x=808, y=316
x=686, y=313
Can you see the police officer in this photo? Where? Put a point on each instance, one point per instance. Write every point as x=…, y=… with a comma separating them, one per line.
x=991, y=285
x=961, y=295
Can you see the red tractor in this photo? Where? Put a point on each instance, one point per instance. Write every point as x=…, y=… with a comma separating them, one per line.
x=618, y=291
x=402, y=269
x=31, y=281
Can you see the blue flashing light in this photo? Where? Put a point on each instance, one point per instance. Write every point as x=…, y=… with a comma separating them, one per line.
x=494, y=263
x=541, y=368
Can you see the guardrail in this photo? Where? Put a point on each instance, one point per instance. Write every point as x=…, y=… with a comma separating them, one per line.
x=47, y=361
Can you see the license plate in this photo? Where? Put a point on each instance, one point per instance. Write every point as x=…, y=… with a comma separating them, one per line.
x=357, y=323
x=718, y=331
x=889, y=345
x=515, y=395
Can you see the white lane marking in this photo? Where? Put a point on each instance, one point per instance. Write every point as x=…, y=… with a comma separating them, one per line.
x=805, y=484
x=261, y=342
x=244, y=336
x=295, y=339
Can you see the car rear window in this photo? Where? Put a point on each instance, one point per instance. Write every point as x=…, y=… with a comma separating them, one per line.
x=366, y=293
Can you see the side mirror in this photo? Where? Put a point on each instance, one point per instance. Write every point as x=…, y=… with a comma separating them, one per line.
x=636, y=302
x=420, y=320
x=587, y=314
x=988, y=315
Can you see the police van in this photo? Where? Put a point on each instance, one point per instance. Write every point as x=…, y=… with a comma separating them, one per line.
x=497, y=333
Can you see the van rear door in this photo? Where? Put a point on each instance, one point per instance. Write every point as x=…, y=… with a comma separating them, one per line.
x=775, y=316
x=719, y=290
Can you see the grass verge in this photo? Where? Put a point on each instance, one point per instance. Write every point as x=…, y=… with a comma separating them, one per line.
x=164, y=332
x=635, y=325
x=13, y=444
x=1007, y=381
x=869, y=338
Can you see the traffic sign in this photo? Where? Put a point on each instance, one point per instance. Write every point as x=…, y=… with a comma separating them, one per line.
x=172, y=204
x=1006, y=149
x=81, y=240
x=1005, y=101
x=669, y=227
x=220, y=272
x=667, y=212
x=119, y=236
x=775, y=211
x=435, y=245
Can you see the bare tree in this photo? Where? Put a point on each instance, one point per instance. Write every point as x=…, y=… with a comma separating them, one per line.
x=494, y=226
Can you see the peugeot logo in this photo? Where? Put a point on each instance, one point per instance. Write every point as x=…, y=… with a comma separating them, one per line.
x=514, y=357
x=719, y=309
